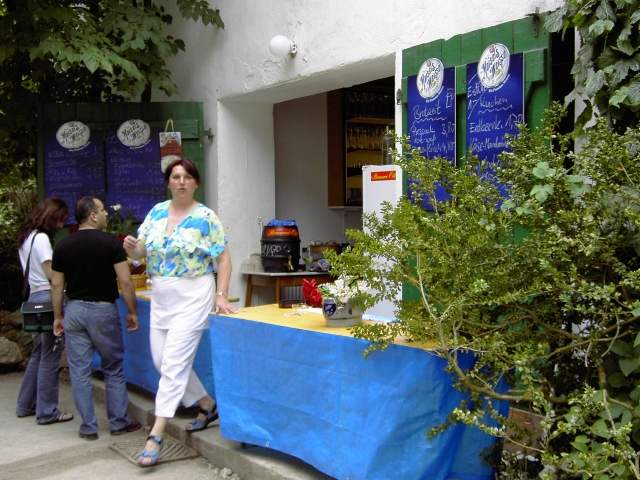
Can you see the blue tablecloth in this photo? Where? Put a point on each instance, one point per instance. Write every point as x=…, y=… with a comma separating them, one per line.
x=314, y=396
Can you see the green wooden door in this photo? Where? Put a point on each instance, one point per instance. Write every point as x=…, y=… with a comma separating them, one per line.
x=187, y=119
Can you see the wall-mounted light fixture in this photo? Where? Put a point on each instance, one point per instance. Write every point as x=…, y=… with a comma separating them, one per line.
x=282, y=46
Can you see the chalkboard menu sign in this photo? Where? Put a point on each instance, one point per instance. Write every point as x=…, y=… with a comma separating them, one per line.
x=121, y=166
x=134, y=178
x=432, y=121
x=74, y=164
x=495, y=101
x=431, y=106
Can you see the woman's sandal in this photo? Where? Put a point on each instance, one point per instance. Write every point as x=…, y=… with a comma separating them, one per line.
x=198, y=424
x=152, y=455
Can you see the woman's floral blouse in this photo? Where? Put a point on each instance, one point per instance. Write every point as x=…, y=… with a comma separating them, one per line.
x=188, y=251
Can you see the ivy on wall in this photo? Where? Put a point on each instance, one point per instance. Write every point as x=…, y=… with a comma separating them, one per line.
x=607, y=65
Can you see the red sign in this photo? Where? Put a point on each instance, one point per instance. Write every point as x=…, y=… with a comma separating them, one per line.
x=383, y=175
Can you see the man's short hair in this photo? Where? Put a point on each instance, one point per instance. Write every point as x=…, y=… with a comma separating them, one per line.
x=85, y=207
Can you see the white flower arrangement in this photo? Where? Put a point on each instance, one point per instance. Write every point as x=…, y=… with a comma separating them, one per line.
x=343, y=289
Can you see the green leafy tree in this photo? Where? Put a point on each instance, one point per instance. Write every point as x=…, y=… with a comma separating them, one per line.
x=607, y=65
x=543, y=287
x=16, y=201
x=90, y=50
x=74, y=51
x=81, y=51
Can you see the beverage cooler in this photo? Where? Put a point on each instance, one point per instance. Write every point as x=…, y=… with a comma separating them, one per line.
x=380, y=183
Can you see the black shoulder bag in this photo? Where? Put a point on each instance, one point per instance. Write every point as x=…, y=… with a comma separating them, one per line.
x=37, y=317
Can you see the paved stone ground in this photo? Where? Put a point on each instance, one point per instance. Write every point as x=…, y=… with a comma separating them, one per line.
x=31, y=452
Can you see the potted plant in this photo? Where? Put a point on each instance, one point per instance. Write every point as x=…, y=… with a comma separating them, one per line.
x=340, y=301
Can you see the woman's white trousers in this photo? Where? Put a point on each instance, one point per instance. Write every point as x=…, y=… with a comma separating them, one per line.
x=180, y=310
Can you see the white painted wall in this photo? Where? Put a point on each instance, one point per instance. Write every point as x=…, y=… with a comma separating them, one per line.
x=245, y=190
x=340, y=43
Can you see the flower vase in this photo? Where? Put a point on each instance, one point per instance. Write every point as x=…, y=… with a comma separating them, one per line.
x=340, y=315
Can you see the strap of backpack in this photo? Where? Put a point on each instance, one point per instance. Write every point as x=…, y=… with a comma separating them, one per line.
x=26, y=289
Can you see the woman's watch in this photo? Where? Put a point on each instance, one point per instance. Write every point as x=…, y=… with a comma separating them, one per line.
x=221, y=294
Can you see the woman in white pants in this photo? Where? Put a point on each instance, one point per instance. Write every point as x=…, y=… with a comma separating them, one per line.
x=182, y=240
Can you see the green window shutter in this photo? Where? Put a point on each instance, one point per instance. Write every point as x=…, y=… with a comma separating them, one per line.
x=521, y=36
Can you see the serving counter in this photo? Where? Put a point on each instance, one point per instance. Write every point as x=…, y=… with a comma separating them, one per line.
x=285, y=381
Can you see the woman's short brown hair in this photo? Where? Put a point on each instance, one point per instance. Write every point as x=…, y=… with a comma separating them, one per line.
x=185, y=163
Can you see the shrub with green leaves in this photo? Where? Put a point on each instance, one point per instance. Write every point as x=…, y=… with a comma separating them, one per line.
x=17, y=199
x=543, y=286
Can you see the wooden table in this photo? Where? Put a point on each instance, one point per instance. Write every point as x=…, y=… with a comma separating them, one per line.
x=279, y=280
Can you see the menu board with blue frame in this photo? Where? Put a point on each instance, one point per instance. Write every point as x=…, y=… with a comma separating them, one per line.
x=123, y=168
x=432, y=124
x=494, y=113
x=134, y=178
x=74, y=164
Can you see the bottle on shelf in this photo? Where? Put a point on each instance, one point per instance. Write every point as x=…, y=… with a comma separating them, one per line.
x=387, y=147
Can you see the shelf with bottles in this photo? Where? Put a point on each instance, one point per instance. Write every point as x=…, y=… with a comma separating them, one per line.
x=371, y=121
x=355, y=160
x=357, y=119
x=366, y=137
x=353, y=175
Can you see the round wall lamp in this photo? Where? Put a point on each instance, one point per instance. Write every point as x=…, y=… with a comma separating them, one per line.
x=282, y=46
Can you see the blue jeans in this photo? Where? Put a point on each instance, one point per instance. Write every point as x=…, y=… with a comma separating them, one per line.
x=91, y=327
x=39, y=389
